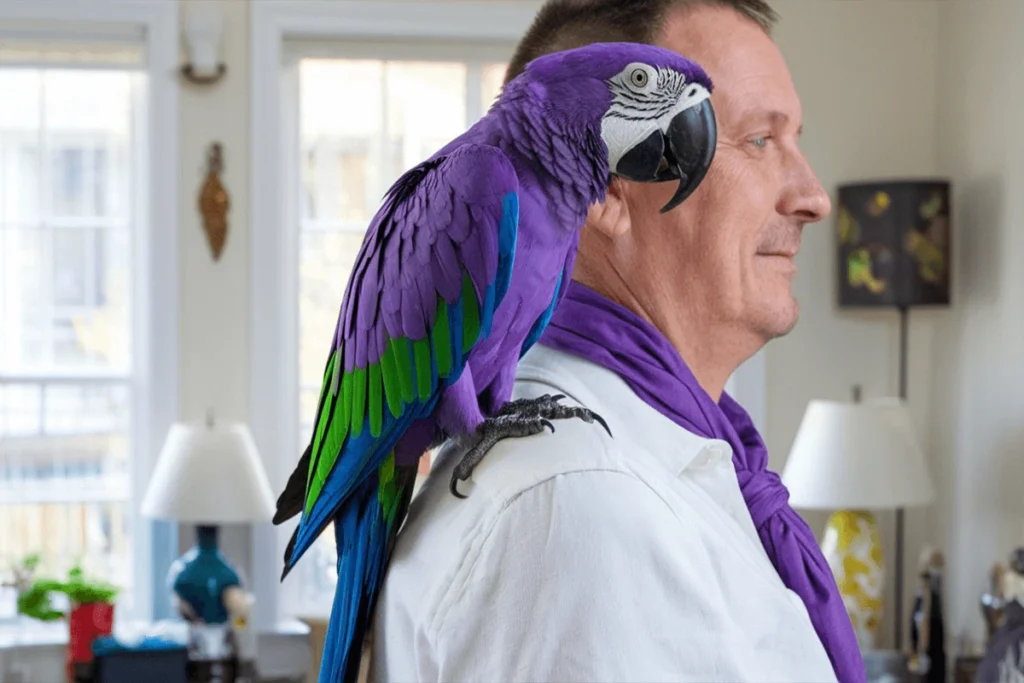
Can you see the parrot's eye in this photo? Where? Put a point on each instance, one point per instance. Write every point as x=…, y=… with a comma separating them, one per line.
x=638, y=78
x=691, y=92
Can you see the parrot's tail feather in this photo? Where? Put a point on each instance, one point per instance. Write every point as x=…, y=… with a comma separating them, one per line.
x=365, y=531
x=291, y=500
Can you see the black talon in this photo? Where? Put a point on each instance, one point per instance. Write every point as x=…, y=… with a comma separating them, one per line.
x=516, y=419
x=454, y=487
x=600, y=421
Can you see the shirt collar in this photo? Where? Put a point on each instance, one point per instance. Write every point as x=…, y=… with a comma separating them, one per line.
x=631, y=421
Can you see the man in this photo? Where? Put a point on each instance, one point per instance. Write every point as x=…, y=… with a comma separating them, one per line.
x=665, y=552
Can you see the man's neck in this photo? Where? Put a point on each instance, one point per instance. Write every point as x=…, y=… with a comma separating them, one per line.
x=712, y=351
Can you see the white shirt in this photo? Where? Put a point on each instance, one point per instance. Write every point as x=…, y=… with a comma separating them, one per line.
x=582, y=557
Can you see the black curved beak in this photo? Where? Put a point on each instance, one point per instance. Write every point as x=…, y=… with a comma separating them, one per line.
x=682, y=153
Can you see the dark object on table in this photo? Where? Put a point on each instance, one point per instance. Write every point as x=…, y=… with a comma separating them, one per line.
x=133, y=666
x=151, y=660
x=965, y=669
x=1017, y=561
x=927, y=631
x=213, y=671
x=993, y=602
x=886, y=665
x=1004, y=657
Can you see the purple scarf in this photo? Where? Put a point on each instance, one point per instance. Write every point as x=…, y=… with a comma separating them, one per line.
x=590, y=326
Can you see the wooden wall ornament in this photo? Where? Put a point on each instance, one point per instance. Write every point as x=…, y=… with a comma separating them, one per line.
x=214, y=202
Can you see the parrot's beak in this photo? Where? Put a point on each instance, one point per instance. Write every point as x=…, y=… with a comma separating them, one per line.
x=692, y=138
x=683, y=153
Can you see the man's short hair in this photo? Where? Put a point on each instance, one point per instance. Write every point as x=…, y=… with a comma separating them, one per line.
x=566, y=24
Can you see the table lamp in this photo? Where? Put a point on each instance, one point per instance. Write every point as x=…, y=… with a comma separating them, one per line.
x=894, y=251
x=208, y=474
x=854, y=458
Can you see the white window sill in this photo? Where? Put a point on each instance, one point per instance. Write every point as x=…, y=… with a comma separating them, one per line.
x=36, y=650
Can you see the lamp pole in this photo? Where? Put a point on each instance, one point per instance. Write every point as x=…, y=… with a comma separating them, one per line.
x=904, y=334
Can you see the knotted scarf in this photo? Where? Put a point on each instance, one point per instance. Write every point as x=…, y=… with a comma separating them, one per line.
x=590, y=326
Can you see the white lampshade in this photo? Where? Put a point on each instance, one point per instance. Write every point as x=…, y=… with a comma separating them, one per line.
x=857, y=456
x=209, y=473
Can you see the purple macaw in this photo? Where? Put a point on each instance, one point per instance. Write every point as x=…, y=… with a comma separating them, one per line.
x=458, y=276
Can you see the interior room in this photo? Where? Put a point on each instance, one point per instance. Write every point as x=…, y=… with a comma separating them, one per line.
x=185, y=186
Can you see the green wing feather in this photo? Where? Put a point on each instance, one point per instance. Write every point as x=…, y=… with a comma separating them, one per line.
x=403, y=375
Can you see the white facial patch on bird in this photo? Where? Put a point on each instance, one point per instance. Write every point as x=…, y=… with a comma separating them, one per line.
x=645, y=99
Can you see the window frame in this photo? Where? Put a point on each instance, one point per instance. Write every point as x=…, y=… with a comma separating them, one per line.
x=352, y=26
x=153, y=379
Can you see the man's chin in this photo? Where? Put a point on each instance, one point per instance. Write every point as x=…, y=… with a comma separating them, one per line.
x=780, y=320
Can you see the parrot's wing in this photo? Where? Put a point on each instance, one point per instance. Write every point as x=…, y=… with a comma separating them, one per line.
x=436, y=262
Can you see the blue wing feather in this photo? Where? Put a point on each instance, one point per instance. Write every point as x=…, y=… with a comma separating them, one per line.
x=542, y=322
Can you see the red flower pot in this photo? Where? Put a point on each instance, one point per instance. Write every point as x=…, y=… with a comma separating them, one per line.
x=86, y=623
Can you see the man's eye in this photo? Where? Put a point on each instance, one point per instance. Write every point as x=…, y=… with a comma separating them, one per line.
x=760, y=143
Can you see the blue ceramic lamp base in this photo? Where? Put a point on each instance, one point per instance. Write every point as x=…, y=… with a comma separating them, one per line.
x=200, y=576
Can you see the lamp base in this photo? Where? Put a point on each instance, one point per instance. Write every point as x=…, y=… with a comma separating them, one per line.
x=853, y=549
x=200, y=576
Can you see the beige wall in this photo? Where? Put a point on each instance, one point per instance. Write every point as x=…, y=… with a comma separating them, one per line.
x=866, y=74
x=214, y=342
x=890, y=88
x=978, y=374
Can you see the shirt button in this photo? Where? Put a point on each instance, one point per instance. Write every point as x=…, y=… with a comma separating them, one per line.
x=717, y=454
x=705, y=457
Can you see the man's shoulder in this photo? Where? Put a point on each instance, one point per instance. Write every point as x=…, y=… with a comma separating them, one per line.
x=517, y=465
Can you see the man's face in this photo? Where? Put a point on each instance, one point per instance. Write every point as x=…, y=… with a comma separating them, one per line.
x=726, y=254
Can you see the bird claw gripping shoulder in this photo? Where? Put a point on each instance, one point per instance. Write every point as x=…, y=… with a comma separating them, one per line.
x=517, y=419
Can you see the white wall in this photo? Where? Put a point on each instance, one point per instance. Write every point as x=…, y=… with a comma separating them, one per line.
x=214, y=300
x=866, y=74
x=977, y=355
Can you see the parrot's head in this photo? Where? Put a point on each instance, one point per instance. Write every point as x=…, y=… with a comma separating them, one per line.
x=650, y=106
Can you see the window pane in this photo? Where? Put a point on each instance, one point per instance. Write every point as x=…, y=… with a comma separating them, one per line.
x=326, y=259
x=65, y=475
x=65, y=307
x=95, y=534
x=19, y=178
x=493, y=75
x=350, y=155
x=65, y=299
x=340, y=142
x=25, y=287
x=426, y=107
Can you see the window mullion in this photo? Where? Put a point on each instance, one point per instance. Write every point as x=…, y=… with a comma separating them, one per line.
x=474, y=92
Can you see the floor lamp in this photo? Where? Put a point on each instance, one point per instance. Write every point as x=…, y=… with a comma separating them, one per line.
x=894, y=251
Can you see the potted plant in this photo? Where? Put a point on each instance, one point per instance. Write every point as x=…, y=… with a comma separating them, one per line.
x=90, y=611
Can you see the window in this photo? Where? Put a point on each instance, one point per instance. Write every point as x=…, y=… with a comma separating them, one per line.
x=70, y=176
x=361, y=122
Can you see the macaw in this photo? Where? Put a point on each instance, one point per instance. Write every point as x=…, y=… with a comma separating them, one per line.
x=458, y=276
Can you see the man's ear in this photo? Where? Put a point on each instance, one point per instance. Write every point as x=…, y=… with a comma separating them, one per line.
x=611, y=218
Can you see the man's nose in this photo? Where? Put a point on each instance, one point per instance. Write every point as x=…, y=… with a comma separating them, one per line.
x=803, y=197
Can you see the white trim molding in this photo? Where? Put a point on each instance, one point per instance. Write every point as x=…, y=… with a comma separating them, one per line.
x=155, y=371
x=274, y=394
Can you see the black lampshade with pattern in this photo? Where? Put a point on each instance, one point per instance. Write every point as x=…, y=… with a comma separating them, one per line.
x=894, y=243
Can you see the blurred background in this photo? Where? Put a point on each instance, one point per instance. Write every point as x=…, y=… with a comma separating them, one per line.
x=125, y=307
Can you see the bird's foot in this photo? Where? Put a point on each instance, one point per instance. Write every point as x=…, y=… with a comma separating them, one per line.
x=517, y=419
